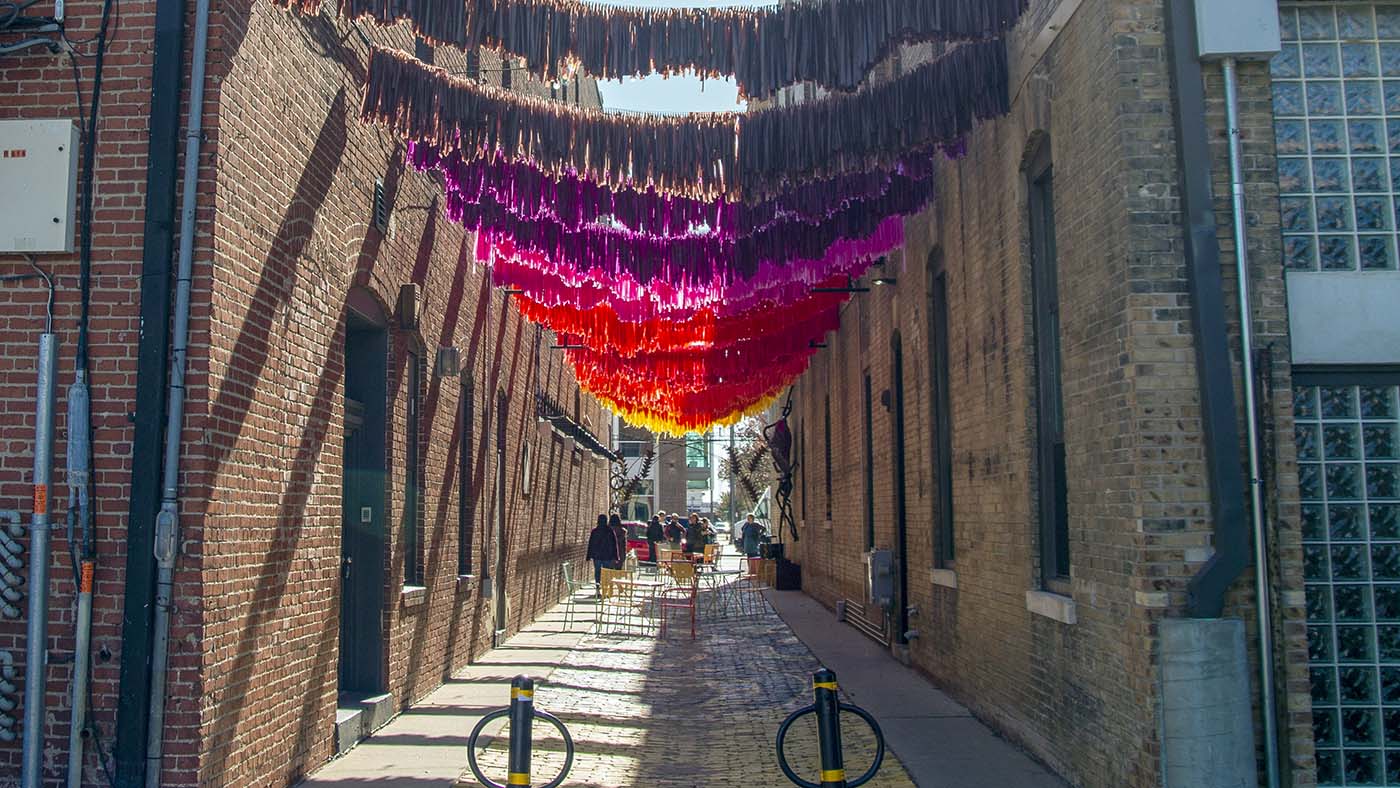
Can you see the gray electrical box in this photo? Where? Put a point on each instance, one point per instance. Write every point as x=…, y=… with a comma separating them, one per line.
x=1244, y=29
x=879, y=578
x=39, y=176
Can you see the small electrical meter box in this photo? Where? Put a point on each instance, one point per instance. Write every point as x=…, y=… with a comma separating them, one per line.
x=1243, y=29
x=38, y=185
x=879, y=578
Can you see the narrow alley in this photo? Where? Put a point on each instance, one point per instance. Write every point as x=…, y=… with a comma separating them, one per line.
x=675, y=713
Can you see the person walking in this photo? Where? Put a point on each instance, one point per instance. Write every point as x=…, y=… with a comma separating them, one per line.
x=655, y=533
x=619, y=531
x=753, y=534
x=602, y=549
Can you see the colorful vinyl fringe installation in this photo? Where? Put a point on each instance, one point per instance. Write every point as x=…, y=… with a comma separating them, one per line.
x=690, y=266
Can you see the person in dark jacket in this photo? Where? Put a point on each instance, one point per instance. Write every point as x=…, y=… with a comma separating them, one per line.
x=655, y=534
x=753, y=533
x=602, y=548
x=615, y=523
x=695, y=535
x=674, y=532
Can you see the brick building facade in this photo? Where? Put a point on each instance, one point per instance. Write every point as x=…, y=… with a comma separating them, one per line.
x=303, y=359
x=935, y=395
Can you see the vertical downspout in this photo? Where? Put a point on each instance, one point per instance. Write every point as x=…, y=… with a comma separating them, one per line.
x=168, y=521
x=1207, y=589
x=1256, y=481
x=36, y=660
x=153, y=354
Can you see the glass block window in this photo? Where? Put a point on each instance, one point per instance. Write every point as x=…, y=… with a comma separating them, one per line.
x=1348, y=439
x=1336, y=95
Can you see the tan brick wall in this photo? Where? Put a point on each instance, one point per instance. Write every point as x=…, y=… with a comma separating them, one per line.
x=1082, y=697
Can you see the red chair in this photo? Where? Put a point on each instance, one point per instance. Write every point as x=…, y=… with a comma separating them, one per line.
x=682, y=596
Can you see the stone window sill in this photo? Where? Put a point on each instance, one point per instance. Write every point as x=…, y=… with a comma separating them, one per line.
x=1055, y=607
x=945, y=578
x=413, y=596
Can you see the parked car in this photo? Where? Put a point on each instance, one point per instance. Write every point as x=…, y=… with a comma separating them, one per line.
x=637, y=539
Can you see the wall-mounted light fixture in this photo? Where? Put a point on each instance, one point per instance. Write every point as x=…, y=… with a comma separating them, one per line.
x=849, y=288
x=449, y=362
x=815, y=344
x=512, y=291
x=884, y=280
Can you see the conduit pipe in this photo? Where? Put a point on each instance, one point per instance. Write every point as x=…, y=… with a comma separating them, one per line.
x=36, y=655
x=7, y=696
x=79, y=466
x=167, y=536
x=1262, y=588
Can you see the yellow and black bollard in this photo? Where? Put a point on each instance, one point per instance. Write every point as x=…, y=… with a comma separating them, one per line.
x=522, y=723
x=829, y=729
x=827, y=707
x=521, y=714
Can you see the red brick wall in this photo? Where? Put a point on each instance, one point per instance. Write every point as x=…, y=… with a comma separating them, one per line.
x=35, y=84
x=287, y=176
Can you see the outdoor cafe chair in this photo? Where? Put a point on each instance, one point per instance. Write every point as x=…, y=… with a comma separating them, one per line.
x=749, y=587
x=682, y=596
x=618, y=602
x=574, y=586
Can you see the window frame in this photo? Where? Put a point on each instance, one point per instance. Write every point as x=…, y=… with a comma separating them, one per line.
x=945, y=528
x=467, y=492
x=413, y=571
x=1052, y=490
x=827, y=449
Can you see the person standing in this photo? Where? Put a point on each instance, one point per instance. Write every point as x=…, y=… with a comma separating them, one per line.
x=695, y=535
x=602, y=549
x=620, y=532
x=753, y=534
x=674, y=532
x=655, y=533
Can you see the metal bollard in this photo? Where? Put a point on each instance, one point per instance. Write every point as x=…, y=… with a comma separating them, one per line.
x=521, y=714
x=829, y=729
x=522, y=719
x=827, y=706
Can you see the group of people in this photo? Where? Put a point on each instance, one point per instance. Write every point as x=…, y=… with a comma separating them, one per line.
x=607, y=543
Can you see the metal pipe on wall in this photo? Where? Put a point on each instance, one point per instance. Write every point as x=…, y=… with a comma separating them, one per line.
x=168, y=520
x=36, y=632
x=78, y=454
x=1262, y=606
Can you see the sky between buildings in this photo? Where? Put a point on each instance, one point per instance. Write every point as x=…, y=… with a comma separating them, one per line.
x=678, y=94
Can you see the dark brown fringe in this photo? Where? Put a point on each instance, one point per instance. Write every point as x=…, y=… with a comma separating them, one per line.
x=686, y=155
x=833, y=43
x=757, y=154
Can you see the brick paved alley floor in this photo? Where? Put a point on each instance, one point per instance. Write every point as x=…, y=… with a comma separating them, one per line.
x=674, y=713
x=677, y=713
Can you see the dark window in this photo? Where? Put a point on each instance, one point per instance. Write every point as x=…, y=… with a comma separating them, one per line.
x=826, y=415
x=466, y=496
x=506, y=78
x=412, y=517
x=422, y=50
x=869, y=465
x=942, y=419
x=802, y=467
x=1050, y=420
x=474, y=65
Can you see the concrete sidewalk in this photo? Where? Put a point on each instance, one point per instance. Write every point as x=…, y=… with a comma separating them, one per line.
x=938, y=740
x=427, y=745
